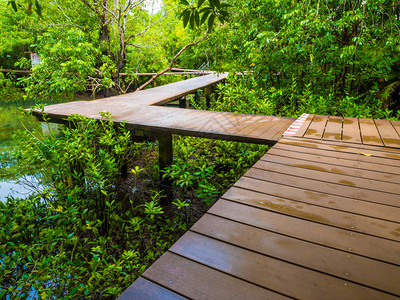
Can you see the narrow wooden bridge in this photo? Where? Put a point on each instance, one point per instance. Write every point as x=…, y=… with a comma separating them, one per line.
x=318, y=217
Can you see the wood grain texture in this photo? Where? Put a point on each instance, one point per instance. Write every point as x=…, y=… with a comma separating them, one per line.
x=197, y=281
x=351, y=130
x=369, y=132
x=317, y=127
x=302, y=130
x=312, y=219
x=312, y=256
x=142, y=289
x=333, y=129
x=142, y=111
x=388, y=133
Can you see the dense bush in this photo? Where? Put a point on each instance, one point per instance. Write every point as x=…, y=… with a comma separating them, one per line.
x=246, y=95
x=79, y=234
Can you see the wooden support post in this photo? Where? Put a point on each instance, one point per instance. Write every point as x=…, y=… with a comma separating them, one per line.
x=207, y=92
x=182, y=102
x=165, y=157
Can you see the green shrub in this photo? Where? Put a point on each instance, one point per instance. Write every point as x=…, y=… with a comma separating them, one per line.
x=78, y=235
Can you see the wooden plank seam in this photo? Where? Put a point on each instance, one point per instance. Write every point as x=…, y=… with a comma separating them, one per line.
x=292, y=130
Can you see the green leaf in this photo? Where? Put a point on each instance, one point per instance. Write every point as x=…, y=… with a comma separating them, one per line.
x=13, y=5
x=38, y=9
x=197, y=18
x=217, y=3
x=200, y=3
x=184, y=2
x=204, y=17
x=204, y=9
x=212, y=4
x=70, y=235
x=225, y=14
x=186, y=17
x=192, y=20
x=211, y=22
x=225, y=5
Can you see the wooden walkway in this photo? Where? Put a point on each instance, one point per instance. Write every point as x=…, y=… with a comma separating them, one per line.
x=142, y=111
x=313, y=219
x=317, y=217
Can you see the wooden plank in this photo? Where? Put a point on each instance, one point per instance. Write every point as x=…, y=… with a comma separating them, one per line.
x=142, y=289
x=330, y=261
x=191, y=279
x=307, y=171
x=302, y=130
x=351, y=130
x=385, y=173
x=389, y=135
x=344, y=169
x=369, y=132
x=325, y=235
x=396, y=125
x=267, y=272
x=325, y=187
x=345, y=145
x=254, y=124
x=369, y=155
x=333, y=129
x=196, y=120
x=264, y=189
x=317, y=127
x=237, y=123
x=275, y=130
x=323, y=215
x=279, y=133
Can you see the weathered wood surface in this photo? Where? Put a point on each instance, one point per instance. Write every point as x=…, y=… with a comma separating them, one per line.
x=313, y=219
x=366, y=131
x=141, y=111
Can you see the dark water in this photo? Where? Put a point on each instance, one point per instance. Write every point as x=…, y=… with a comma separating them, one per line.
x=11, y=120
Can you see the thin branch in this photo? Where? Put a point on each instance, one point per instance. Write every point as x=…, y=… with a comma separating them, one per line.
x=171, y=63
x=143, y=31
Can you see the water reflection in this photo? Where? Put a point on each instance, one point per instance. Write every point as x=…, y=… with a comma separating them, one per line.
x=20, y=188
x=10, y=121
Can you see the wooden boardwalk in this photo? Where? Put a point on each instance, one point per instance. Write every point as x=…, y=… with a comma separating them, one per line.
x=317, y=217
x=142, y=111
x=313, y=219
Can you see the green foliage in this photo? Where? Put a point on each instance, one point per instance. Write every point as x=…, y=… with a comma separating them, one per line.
x=78, y=235
x=203, y=169
x=35, y=6
x=245, y=94
x=196, y=14
x=8, y=87
x=67, y=60
x=324, y=50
